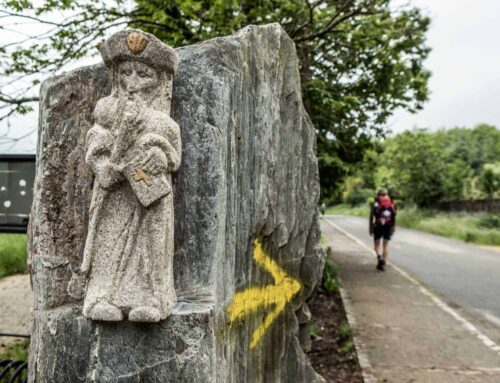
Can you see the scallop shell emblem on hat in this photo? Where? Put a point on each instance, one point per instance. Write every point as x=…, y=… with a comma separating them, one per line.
x=136, y=42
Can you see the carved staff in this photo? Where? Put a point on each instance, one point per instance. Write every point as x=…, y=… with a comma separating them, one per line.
x=97, y=204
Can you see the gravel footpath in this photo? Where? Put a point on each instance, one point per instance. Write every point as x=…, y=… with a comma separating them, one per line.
x=16, y=299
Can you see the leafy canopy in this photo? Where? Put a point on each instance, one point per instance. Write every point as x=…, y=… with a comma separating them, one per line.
x=360, y=59
x=425, y=168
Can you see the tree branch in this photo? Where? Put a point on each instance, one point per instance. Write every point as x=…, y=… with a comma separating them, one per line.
x=17, y=101
x=336, y=20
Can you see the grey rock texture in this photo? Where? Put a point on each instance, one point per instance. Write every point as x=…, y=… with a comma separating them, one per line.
x=248, y=171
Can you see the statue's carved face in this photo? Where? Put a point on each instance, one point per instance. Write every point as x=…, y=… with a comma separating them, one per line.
x=136, y=78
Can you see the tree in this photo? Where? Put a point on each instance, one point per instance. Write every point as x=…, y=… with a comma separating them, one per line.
x=457, y=178
x=475, y=147
x=418, y=167
x=489, y=180
x=360, y=59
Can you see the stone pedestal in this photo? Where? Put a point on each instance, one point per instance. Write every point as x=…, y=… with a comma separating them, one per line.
x=249, y=172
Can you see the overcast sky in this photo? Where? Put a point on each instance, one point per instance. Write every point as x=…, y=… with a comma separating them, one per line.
x=465, y=65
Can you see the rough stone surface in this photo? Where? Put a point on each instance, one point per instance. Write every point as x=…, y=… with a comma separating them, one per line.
x=248, y=172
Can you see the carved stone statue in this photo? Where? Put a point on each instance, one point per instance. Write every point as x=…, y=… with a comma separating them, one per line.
x=132, y=149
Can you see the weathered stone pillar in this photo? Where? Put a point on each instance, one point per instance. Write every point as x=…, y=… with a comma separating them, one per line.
x=247, y=251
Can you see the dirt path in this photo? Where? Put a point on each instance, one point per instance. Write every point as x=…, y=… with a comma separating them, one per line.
x=15, y=305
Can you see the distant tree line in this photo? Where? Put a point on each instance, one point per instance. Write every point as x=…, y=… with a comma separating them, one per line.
x=424, y=168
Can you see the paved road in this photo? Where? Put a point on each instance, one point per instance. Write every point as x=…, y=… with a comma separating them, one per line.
x=463, y=274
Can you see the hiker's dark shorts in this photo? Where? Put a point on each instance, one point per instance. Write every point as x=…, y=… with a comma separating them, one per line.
x=382, y=231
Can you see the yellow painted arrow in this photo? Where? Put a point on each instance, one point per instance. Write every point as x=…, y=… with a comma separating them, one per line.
x=252, y=299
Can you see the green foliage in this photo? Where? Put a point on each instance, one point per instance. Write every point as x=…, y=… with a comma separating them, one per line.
x=416, y=161
x=490, y=221
x=359, y=196
x=355, y=193
x=345, y=339
x=344, y=209
x=13, y=254
x=489, y=179
x=330, y=282
x=17, y=350
x=425, y=168
x=360, y=59
x=475, y=147
x=463, y=226
x=345, y=331
x=457, y=176
x=314, y=331
x=347, y=347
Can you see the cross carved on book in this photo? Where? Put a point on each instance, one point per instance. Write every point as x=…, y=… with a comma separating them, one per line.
x=140, y=175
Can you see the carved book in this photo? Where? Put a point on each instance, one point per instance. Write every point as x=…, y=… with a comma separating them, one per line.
x=147, y=187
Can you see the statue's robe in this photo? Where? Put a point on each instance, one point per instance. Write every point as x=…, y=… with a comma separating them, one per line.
x=128, y=255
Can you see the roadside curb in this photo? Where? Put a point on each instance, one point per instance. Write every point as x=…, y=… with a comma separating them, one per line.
x=364, y=361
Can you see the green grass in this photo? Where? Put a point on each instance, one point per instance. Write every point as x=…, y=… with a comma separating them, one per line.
x=345, y=331
x=16, y=351
x=344, y=209
x=13, y=254
x=314, y=331
x=347, y=347
x=330, y=280
x=467, y=227
x=478, y=228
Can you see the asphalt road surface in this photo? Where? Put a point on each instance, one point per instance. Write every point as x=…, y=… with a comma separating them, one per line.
x=465, y=275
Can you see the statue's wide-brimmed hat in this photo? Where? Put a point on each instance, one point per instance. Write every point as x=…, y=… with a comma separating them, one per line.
x=136, y=45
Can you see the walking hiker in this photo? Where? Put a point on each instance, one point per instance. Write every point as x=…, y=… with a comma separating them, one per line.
x=382, y=225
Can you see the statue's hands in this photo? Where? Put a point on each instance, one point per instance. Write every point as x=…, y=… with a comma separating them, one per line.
x=108, y=174
x=155, y=161
x=132, y=113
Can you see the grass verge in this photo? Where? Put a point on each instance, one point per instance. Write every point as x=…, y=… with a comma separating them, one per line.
x=17, y=350
x=13, y=254
x=14, y=351
x=478, y=228
x=344, y=209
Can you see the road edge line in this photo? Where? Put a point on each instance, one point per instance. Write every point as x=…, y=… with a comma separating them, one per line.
x=488, y=342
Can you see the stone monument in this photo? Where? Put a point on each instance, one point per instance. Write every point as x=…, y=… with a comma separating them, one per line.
x=132, y=149
x=246, y=252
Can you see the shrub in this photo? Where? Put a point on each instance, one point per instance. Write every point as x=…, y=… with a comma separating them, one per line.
x=13, y=254
x=329, y=282
x=490, y=222
x=358, y=197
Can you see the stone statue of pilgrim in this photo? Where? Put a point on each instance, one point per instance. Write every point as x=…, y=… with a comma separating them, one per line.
x=132, y=149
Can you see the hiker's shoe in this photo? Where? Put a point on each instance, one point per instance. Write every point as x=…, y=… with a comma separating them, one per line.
x=380, y=263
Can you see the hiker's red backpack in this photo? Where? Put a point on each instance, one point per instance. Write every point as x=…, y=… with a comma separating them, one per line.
x=384, y=211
